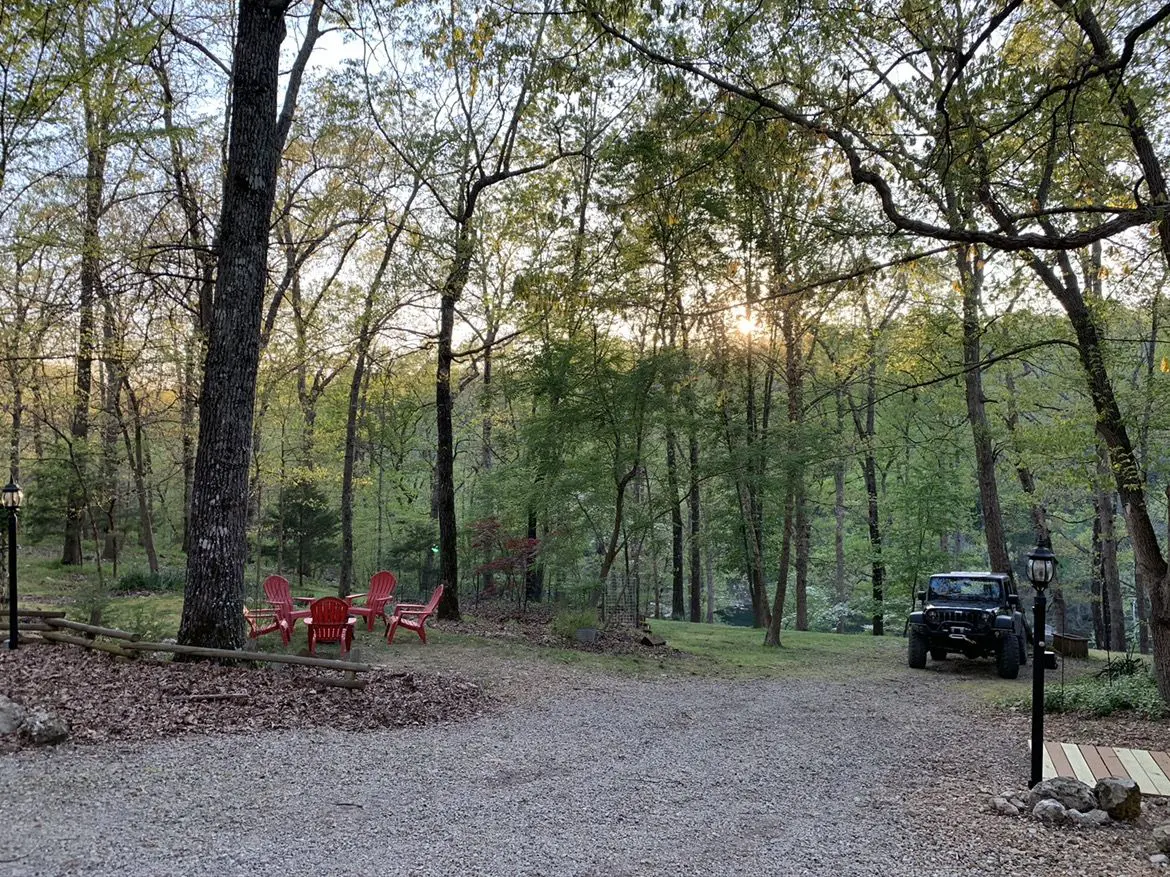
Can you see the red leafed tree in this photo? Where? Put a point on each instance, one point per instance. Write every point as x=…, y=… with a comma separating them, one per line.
x=507, y=556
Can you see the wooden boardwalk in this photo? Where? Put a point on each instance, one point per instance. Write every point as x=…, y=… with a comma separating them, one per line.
x=1150, y=770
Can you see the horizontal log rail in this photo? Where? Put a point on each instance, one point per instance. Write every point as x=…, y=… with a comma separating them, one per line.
x=56, y=636
x=39, y=613
x=232, y=654
x=111, y=632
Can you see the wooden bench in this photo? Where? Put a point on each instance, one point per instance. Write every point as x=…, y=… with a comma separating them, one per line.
x=1070, y=646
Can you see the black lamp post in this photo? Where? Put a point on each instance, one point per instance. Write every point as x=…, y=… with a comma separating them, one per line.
x=1041, y=572
x=12, y=497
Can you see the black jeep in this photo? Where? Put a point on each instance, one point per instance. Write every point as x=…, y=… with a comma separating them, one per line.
x=975, y=613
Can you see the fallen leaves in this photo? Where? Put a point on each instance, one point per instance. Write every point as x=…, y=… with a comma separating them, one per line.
x=104, y=699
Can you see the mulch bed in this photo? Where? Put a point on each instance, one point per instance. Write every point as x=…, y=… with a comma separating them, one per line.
x=105, y=699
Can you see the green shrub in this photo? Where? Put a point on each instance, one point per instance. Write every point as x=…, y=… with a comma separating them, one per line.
x=568, y=621
x=142, y=581
x=153, y=628
x=1101, y=696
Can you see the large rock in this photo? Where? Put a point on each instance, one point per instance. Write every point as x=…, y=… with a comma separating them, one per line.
x=1072, y=794
x=1004, y=806
x=44, y=728
x=1120, y=798
x=1089, y=818
x=1050, y=810
x=1162, y=837
x=11, y=715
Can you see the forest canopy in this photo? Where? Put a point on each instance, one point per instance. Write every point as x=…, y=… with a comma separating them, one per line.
x=770, y=308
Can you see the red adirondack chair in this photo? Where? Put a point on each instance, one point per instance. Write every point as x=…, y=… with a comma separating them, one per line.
x=413, y=616
x=330, y=622
x=278, y=593
x=262, y=621
x=382, y=585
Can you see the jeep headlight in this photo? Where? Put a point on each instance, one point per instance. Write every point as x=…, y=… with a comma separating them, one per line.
x=991, y=616
x=931, y=615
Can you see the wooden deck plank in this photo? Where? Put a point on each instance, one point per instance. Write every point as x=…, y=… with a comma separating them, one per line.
x=1096, y=765
x=1049, y=770
x=1134, y=768
x=1080, y=768
x=1162, y=759
x=1060, y=765
x=1160, y=784
x=1112, y=764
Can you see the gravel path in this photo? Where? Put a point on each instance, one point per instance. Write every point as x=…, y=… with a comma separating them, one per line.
x=599, y=777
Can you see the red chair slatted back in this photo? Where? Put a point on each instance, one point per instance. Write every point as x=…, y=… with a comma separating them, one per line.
x=382, y=585
x=330, y=617
x=278, y=591
x=434, y=601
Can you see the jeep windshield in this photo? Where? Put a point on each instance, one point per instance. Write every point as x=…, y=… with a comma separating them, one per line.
x=964, y=588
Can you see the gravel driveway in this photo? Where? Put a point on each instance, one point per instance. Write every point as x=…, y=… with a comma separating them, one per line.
x=599, y=777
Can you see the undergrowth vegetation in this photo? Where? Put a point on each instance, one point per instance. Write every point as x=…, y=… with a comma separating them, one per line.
x=1123, y=685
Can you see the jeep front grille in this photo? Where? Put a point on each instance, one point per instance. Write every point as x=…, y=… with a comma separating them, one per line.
x=949, y=616
x=956, y=616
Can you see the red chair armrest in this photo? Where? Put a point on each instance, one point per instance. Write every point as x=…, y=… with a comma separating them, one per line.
x=354, y=596
x=409, y=607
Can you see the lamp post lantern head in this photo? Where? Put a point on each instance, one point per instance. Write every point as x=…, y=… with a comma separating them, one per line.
x=1041, y=566
x=12, y=496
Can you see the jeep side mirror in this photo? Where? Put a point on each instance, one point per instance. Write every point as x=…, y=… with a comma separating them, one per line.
x=922, y=596
x=1014, y=600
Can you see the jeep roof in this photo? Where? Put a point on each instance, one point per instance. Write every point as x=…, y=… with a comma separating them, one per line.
x=972, y=574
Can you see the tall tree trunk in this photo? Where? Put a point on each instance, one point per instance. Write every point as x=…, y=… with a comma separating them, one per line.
x=772, y=637
x=802, y=537
x=1059, y=606
x=136, y=457
x=188, y=403
x=214, y=596
x=1114, y=610
x=866, y=432
x=677, y=597
x=96, y=152
x=111, y=422
x=877, y=564
x=709, y=575
x=444, y=409
x=794, y=378
x=696, y=569
x=840, y=586
x=1097, y=587
x=970, y=266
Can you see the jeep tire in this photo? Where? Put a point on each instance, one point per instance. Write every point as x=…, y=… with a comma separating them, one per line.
x=917, y=650
x=1007, y=657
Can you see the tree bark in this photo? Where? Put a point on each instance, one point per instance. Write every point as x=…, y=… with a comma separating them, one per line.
x=677, y=599
x=1097, y=586
x=696, y=568
x=772, y=636
x=1112, y=607
x=1057, y=603
x=802, y=536
x=866, y=432
x=840, y=587
x=444, y=410
x=970, y=265
x=214, y=596
x=96, y=152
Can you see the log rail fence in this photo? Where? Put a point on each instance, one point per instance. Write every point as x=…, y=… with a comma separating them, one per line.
x=50, y=626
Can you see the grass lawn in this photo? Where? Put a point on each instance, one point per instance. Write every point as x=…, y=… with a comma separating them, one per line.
x=695, y=649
